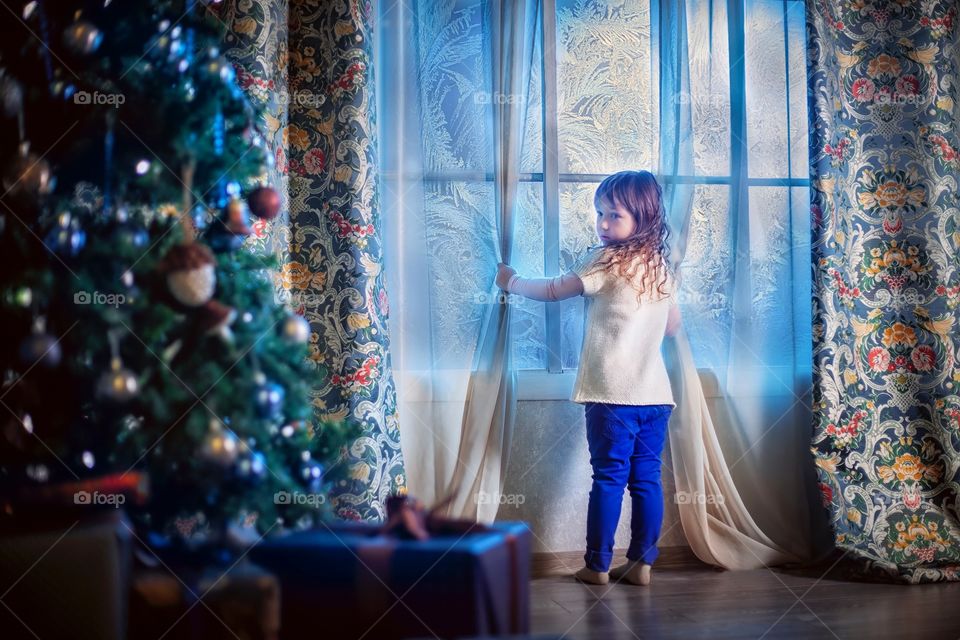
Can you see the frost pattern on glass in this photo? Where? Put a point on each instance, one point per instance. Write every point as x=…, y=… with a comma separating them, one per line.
x=577, y=233
x=710, y=88
x=455, y=86
x=770, y=276
x=765, y=69
x=603, y=86
x=460, y=235
x=707, y=275
x=529, y=328
x=531, y=155
x=797, y=62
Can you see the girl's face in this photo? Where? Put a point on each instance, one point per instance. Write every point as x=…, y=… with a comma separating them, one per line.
x=614, y=223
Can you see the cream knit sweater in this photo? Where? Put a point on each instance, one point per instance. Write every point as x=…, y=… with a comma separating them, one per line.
x=620, y=361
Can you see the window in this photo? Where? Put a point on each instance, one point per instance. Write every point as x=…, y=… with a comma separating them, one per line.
x=594, y=109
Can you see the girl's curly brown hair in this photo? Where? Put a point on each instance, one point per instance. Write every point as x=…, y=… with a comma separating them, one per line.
x=639, y=193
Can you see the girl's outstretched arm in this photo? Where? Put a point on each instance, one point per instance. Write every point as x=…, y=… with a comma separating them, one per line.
x=561, y=287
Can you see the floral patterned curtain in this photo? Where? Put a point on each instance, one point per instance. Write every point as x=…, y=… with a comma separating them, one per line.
x=885, y=163
x=310, y=64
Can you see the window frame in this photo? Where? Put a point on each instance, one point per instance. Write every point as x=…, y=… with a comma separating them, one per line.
x=555, y=381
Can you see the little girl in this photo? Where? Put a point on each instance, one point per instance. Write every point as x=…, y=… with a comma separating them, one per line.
x=622, y=381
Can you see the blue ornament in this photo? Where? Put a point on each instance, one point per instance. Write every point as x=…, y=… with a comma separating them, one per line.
x=268, y=399
x=131, y=235
x=201, y=217
x=312, y=474
x=251, y=467
x=67, y=238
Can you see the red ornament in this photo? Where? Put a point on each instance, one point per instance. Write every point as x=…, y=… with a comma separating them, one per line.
x=264, y=202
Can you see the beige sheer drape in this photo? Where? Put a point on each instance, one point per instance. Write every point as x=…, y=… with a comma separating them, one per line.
x=457, y=409
x=490, y=408
x=715, y=520
x=713, y=508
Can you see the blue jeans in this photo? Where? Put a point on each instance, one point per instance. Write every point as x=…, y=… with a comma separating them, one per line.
x=625, y=445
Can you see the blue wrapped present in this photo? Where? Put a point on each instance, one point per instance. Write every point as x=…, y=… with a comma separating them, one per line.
x=352, y=580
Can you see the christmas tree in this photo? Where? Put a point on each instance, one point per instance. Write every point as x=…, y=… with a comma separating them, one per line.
x=141, y=339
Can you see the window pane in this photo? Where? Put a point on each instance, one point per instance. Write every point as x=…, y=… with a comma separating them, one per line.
x=529, y=324
x=765, y=69
x=603, y=86
x=531, y=155
x=706, y=274
x=577, y=233
x=454, y=73
x=460, y=234
x=779, y=268
x=709, y=54
x=797, y=59
x=771, y=253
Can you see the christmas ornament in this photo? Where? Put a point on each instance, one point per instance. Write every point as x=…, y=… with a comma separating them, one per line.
x=219, y=66
x=229, y=230
x=128, y=234
x=40, y=347
x=251, y=465
x=236, y=217
x=28, y=175
x=215, y=317
x=295, y=329
x=117, y=385
x=311, y=472
x=20, y=296
x=201, y=217
x=67, y=238
x=82, y=38
x=264, y=202
x=61, y=89
x=268, y=398
x=190, y=273
x=219, y=445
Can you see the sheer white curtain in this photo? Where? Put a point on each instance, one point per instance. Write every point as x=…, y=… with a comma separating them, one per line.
x=700, y=93
x=456, y=381
x=740, y=458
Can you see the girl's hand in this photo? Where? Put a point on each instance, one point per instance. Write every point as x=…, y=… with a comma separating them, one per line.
x=503, y=275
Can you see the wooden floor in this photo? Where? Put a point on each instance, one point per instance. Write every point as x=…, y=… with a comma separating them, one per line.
x=702, y=602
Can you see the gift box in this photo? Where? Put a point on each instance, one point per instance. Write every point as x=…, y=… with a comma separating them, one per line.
x=65, y=575
x=240, y=601
x=351, y=581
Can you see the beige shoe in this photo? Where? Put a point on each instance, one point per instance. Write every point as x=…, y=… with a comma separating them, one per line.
x=589, y=576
